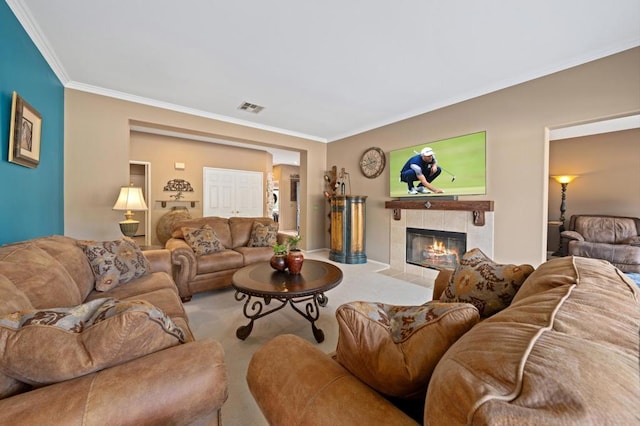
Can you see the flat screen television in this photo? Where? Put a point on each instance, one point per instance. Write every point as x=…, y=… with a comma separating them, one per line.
x=462, y=161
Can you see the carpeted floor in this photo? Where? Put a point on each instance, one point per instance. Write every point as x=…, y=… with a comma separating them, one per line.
x=217, y=314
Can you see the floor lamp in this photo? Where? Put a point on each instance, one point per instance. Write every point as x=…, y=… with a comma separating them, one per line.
x=563, y=180
x=130, y=199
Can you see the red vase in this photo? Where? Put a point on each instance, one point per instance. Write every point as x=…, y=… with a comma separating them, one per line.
x=294, y=261
x=279, y=262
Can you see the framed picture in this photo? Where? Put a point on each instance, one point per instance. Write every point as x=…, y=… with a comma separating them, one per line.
x=24, y=137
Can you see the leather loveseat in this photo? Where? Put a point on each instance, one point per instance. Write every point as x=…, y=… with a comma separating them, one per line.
x=565, y=351
x=612, y=238
x=194, y=273
x=72, y=354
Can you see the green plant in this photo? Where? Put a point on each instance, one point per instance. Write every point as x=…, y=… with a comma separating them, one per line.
x=280, y=249
x=293, y=242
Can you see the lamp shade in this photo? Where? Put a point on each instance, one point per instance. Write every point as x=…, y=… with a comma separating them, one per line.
x=564, y=178
x=130, y=198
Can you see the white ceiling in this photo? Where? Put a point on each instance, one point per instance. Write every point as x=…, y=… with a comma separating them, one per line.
x=322, y=69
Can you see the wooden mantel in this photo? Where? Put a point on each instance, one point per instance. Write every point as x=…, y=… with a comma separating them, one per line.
x=477, y=207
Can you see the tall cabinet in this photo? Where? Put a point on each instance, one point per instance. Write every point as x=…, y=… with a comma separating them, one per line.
x=348, y=229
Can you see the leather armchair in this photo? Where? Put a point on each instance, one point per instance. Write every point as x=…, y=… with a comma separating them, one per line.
x=612, y=238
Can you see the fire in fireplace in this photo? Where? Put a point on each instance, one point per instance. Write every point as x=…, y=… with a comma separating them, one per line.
x=435, y=249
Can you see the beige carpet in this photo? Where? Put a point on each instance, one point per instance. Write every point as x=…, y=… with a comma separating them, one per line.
x=216, y=315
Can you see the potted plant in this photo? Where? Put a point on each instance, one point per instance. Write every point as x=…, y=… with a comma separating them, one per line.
x=279, y=258
x=294, y=257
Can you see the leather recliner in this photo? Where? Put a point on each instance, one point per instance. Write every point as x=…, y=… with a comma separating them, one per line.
x=612, y=238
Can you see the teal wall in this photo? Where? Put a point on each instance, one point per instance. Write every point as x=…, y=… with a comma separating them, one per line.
x=32, y=200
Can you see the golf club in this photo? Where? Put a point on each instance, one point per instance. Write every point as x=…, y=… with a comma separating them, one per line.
x=453, y=177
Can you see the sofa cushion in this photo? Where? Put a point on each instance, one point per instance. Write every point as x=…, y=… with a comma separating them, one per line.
x=48, y=346
x=220, y=226
x=157, y=288
x=564, y=352
x=115, y=262
x=72, y=258
x=41, y=277
x=255, y=254
x=216, y=262
x=263, y=235
x=605, y=229
x=202, y=240
x=394, y=349
x=487, y=285
x=12, y=299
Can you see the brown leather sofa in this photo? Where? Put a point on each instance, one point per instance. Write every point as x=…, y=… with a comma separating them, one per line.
x=184, y=383
x=195, y=274
x=612, y=238
x=565, y=351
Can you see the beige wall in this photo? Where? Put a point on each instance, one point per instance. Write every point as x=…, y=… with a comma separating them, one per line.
x=162, y=152
x=608, y=166
x=516, y=120
x=97, y=145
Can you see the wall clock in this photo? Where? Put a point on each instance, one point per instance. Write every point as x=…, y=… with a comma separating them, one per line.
x=372, y=162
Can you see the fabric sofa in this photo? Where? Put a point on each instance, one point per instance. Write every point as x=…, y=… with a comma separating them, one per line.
x=565, y=351
x=236, y=243
x=73, y=354
x=612, y=238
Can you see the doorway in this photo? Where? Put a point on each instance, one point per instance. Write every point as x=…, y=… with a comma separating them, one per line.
x=578, y=151
x=140, y=176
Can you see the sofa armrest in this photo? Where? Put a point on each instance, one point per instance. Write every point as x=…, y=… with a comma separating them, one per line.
x=160, y=260
x=184, y=265
x=442, y=281
x=178, y=385
x=572, y=235
x=293, y=382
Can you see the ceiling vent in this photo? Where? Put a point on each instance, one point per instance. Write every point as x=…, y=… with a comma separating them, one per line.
x=249, y=107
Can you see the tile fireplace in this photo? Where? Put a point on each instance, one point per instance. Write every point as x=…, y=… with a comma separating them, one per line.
x=438, y=220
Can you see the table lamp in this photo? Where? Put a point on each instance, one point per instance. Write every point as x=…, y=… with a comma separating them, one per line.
x=129, y=200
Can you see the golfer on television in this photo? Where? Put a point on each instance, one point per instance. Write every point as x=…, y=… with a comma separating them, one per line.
x=423, y=168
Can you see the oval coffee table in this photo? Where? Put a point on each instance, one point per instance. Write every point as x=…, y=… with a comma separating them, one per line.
x=259, y=284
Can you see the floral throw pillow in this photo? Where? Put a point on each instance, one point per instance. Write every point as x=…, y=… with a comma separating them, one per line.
x=263, y=235
x=115, y=262
x=202, y=240
x=487, y=285
x=394, y=349
x=47, y=346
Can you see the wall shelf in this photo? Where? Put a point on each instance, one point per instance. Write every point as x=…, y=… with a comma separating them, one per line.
x=478, y=208
x=164, y=203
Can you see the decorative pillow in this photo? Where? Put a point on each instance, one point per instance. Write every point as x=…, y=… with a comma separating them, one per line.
x=47, y=346
x=202, y=240
x=115, y=262
x=263, y=235
x=487, y=285
x=394, y=349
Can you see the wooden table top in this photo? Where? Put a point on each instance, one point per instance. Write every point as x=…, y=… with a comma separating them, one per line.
x=261, y=280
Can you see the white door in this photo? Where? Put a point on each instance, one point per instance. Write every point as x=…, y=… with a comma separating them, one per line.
x=230, y=193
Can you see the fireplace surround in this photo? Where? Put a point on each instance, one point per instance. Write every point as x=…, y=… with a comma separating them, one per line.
x=481, y=237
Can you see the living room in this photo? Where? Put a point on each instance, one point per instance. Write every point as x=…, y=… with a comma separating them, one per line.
x=87, y=148
x=97, y=133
